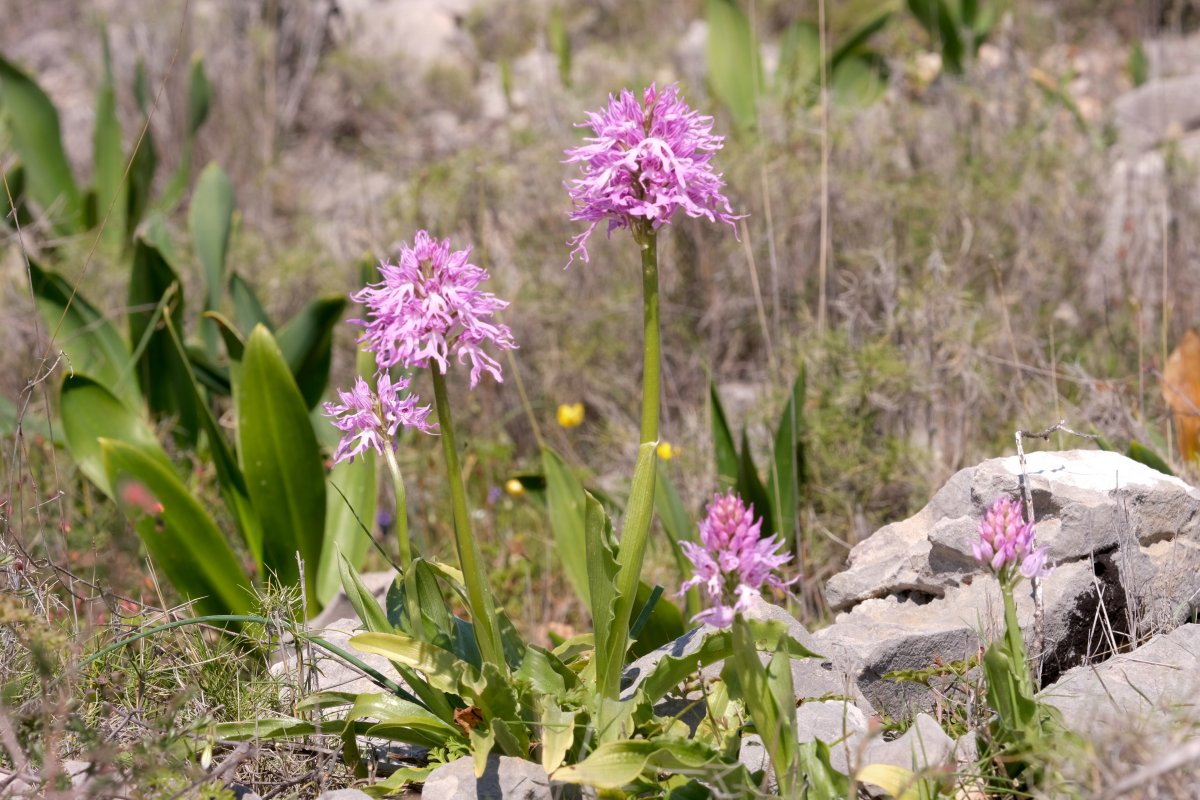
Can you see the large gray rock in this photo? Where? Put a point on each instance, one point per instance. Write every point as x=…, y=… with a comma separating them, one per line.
x=1086, y=502
x=504, y=778
x=923, y=747
x=1159, y=679
x=894, y=634
x=1156, y=111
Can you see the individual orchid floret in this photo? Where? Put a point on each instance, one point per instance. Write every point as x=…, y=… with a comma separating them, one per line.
x=732, y=561
x=646, y=159
x=1006, y=542
x=371, y=419
x=428, y=308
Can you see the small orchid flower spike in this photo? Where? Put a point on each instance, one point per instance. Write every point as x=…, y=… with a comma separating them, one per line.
x=370, y=420
x=732, y=561
x=1006, y=542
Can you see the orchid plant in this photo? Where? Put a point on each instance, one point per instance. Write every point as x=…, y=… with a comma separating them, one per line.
x=473, y=684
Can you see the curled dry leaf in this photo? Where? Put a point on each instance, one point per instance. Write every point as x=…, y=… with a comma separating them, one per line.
x=1181, y=390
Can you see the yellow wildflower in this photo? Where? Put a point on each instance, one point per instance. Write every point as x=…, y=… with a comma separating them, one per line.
x=665, y=451
x=514, y=487
x=570, y=415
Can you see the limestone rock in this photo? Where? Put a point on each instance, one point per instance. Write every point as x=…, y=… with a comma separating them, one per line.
x=1086, y=503
x=1156, y=111
x=504, y=778
x=1160, y=678
x=923, y=747
x=892, y=634
x=344, y=794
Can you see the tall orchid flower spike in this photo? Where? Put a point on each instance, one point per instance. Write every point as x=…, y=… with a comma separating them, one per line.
x=733, y=561
x=370, y=420
x=1006, y=543
x=428, y=308
x=646, y=160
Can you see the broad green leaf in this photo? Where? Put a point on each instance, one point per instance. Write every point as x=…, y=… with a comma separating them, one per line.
x=750, y=487
x=665, y=624
x=235, y=344
x=819, y=774
x=677, y=525
x=723, y=447
x=798, y=75
x=183, y=540
x=89, y=340
x=733, y=67
x=112, y=193
x=210, y=218
x=155, y=291
x=428, y=615
x=615, y=764
x=281, y=462
x=557, y=728
x=90, y=412
x=546, y=673
x=759, y=687
x=307, y=344
x=937, y=20
x=502, y=711
x=602, y=574
x=33, y=123
x=141, y=181
x=349, y=506
x=229, y=475
x=565, y=499
x=247, y=310
x=401, y=720
x=442, y=669
x=199, y=96
x=855, y=83
x=631, y=553
x=369, y=612
x=1143, y=454
x=787, y=467
x=858, y=38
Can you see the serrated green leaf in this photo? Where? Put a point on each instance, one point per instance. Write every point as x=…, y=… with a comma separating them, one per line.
x=281, y=461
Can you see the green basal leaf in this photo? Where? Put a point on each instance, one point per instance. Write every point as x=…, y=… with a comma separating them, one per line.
x=616, y=764
x=91, y=412
x=182, y=539
x=247, y=310
x=787, y=466
x=566, y=501
x=733, y=66
x=210, y=218
x=36, y=138
x=723, y=447
x=88, y=339
x=361, y=600
x=281, y=462
x=108, y=159
x=444, y=670
x=557, y=729
x=307, y=344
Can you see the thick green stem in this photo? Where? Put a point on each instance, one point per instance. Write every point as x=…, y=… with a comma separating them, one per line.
x=651, y=336
x=483, y=609
x=405, y=549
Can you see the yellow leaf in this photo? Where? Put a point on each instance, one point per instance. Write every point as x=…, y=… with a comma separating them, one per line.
x=896, y=781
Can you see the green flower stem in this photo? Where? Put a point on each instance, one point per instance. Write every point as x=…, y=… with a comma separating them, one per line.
x=639, y=512
x=483, y=609
x=651, y=335
x=1013, y=640
x=389, y=455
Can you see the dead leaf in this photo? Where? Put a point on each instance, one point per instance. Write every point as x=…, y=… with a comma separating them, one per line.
x=1181, y=390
